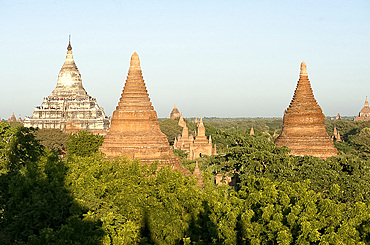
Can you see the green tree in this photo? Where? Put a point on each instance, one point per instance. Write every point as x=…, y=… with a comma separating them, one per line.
x=257, y=156
x=35, y=206
x=17, y=146
x=53, y=139
x=135, y=202
x=170, y=128
x=84, y=143
x=362, y=141
x=292, y=213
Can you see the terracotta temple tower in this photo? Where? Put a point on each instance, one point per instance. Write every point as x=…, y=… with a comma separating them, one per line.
x=174, y=113
x=134, y=127
x=304, y=123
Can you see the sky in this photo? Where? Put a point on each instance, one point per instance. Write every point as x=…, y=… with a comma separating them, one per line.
x=210, y=58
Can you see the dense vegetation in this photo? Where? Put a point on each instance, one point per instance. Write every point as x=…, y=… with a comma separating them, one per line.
x=53, y=139
x=84, y=198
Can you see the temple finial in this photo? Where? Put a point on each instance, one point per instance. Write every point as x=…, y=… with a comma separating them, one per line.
x=366, y=102
x=135, y=61
x=69, y=48
x=303, y=69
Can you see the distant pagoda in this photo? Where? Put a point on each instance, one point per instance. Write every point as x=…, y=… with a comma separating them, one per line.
x=175, y=113
x=181, y=122
x=69, y=107
x=336, y=136
x=364, y=114
x=304, y=123
x=195, y=147
x=134, y=127
x=12, y=118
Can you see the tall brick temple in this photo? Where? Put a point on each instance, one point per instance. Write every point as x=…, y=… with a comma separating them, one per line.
x=134, y=127
x=69, y=107
x=175, y=113
x=304, y=123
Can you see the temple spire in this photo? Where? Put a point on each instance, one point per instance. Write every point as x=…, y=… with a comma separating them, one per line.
x=201, y=129
x=135, y=61
x=198, y=174
x=175, y=113
x=134, y=129
x=185, y=132
x=69, y=48
x=303, y=69
x=69, y=56
x=364, y=114
x=304, y=130
x=69, y=82
x=181, y=121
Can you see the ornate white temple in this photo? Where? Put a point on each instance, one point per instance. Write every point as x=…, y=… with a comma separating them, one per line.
x=69, y=107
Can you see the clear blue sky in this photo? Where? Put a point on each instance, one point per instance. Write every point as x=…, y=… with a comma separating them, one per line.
x=211, y=58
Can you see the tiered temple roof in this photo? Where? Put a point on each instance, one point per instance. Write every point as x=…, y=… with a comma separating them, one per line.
x=304, y=123
x=175, y=113
x=336, y=135
x=364, y=114
x=12, y=118
x=181, y=122
x=195, y=147
x=134, y=127
x=69, y=107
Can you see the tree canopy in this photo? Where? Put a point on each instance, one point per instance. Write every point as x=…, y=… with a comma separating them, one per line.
x=84, y=143
x=53, y=139
x=86, y=198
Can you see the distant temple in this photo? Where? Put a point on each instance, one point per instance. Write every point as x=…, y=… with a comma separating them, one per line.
x=12, y=118
x=336, y=136
x=304, y=123
x=195, y=147
x=174, y=113
x=364, y=114
x=251, y=132
x=338, y=117
x=198, y=174
x=181, y=122
x=134, y=130
x=69, y=107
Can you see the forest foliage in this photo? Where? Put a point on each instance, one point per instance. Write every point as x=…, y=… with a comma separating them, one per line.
x=85, y=198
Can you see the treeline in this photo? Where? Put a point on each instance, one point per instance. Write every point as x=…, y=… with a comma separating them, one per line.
x=84, y=198
x=271, y=126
